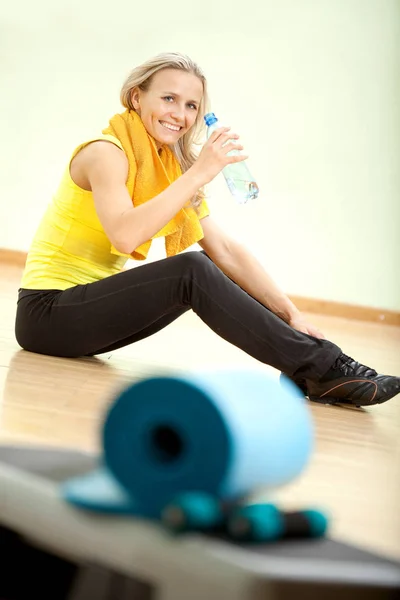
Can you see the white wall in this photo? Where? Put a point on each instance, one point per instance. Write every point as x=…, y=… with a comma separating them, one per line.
x=312, y=87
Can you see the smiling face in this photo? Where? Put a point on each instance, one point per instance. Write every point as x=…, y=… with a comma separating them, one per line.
x=169, y=107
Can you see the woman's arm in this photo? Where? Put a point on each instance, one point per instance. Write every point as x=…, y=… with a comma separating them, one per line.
x=105, y=167
x=245, y=270
x=126, y=226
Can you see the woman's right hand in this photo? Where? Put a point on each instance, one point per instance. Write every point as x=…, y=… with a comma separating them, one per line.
x=214, y=154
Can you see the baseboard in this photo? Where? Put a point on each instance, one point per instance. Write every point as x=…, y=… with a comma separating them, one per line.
x=347, y=311
x=312, y=305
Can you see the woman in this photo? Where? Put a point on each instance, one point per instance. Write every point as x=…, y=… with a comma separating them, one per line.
x=139, y=180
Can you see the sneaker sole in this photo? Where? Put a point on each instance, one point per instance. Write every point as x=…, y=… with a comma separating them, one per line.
x=331, y=401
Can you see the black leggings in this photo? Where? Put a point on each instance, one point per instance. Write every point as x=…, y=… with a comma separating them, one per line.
x=98, y=317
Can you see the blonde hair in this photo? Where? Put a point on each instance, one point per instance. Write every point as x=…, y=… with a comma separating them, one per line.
x=141, y=77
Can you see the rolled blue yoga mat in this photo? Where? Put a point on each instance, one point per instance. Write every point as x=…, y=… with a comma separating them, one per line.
x=226, y=433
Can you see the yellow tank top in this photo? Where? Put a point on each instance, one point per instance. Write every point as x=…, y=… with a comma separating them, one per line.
x=70, y=246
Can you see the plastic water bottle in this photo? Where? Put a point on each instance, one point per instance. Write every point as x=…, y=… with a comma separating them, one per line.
x=237, y=175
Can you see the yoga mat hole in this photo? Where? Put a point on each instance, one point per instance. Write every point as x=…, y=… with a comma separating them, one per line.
x=167, y=443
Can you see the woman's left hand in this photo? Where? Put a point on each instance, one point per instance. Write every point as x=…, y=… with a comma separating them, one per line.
x=301, y=324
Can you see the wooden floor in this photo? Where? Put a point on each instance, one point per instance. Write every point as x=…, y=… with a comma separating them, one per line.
x=355, y=470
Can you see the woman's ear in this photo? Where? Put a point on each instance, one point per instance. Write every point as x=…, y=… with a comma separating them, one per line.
x=135, y=98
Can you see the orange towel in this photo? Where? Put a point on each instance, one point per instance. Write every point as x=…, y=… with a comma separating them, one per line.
x=150, y=173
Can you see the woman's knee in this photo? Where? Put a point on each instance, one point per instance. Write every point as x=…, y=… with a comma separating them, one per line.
x=198, y=264
x=194, y=258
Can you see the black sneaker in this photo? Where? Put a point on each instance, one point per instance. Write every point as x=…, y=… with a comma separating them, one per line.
x=349, y=382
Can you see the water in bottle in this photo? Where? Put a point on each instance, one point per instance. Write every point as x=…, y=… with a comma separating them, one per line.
x=237, y=175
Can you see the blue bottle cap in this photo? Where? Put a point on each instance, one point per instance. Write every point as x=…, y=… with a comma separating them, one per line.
x=210, y=119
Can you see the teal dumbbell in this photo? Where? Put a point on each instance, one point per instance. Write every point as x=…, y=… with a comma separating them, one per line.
x=193, y=511
x=266, y=523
